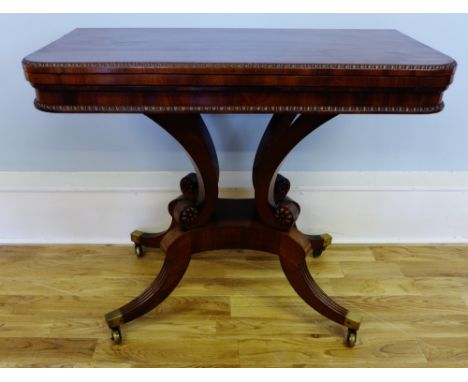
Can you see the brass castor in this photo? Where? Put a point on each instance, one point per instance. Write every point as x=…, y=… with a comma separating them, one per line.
x=351, y=337
x=139, y=250
x=116, y=336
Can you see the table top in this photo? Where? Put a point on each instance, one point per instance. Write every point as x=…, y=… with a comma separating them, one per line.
x=251, y=70
x=250, y=48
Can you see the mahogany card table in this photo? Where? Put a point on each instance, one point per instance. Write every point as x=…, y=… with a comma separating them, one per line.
x=302, y=77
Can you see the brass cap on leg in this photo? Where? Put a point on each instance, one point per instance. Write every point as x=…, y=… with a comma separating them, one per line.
x=327, y=239
x=135, y=236
x=352, y=320
x=114, y=319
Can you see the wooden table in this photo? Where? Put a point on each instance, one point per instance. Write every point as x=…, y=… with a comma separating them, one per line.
x=303, y=77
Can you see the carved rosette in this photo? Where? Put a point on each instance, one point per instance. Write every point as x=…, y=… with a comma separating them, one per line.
x=286, y=210
x=284, y=216
x=286, y=213
x=184, y=211
x=188, y=216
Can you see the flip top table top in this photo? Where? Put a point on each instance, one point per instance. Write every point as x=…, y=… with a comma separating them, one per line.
x=238, y=70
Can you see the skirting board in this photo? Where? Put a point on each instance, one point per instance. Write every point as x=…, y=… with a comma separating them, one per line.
x=354, y=207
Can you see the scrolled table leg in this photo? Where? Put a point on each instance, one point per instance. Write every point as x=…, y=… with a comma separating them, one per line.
x=292, y=258
x=178, y=248
x=201, y=187
x=283, y=133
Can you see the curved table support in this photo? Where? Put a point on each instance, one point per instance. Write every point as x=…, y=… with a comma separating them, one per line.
x=199, y=189
x=293, y=261
x=198, y=204
x=282, y=134
x=177, y=246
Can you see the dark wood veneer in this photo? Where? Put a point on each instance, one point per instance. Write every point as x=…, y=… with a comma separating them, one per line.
x=238, y=69
x=303, y=77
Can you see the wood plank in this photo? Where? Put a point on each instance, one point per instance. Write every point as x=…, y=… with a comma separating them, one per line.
x=404, y=307
x=40, y=352
x=110, y=287
x=376, y=269
x=373, y=286
x=235, y=287
x=447, y=351
x=270, y=327
x=440, y=326
x=328, y=352
x=201, y=352
x=436, y=285
x=50, y=326
x=288, y=308
x=434, y=268
x=64, y=307
x=448, y=252
x=340, y=252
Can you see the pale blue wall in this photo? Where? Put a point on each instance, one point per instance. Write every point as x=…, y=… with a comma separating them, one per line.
x=35, y=141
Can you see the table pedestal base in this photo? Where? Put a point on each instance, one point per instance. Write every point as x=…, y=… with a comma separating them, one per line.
x=203, y=222
x=235, y=224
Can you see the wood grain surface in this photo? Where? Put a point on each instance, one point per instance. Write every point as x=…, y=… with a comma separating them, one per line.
x=234, y=309
x=166, y=48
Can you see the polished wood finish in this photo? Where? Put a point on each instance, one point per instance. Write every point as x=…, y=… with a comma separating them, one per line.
x=190, y=131
x=177, y=259
x=234, y=308
x=282, y=134
x=238, y=70
x=304, y=77
x=153, y=50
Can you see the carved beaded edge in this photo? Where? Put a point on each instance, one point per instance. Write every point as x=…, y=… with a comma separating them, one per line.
x=199, y=65
x=237, y=109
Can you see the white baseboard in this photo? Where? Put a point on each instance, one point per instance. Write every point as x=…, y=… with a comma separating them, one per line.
x=354, y=207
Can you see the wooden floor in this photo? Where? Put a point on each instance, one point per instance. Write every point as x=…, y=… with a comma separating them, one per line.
x=234, y=308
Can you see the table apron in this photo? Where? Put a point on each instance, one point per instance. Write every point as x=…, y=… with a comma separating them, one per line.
x=222, y=100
